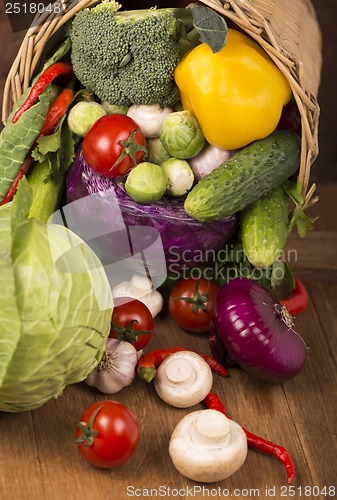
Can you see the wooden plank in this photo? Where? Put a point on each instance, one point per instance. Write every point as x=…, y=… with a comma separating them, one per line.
x=312, y=395
x=313, y=257
x=262, y=408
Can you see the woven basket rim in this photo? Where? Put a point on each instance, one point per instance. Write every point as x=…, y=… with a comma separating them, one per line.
x=241, y=12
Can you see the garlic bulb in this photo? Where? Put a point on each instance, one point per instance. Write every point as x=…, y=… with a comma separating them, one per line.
x=183, y=379
x=116, y=368
x=207, y=446
x=207, y=160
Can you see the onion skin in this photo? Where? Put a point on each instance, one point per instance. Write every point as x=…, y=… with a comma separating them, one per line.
x=248, y=325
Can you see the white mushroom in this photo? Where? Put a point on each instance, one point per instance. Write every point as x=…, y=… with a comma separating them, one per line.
x=149, y=117
x=140, y=287
x=183, y=379
x=207, y=446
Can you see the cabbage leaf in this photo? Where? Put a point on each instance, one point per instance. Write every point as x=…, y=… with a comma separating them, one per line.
x=53, y=330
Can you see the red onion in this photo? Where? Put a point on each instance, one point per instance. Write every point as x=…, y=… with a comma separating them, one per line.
x=252, y=330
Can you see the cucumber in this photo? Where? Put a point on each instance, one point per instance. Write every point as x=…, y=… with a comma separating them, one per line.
x=250, y=173
x=46, y=191
x=264, y=228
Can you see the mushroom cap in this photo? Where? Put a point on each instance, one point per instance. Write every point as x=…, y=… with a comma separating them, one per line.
x=183, y=379
x=207, y=447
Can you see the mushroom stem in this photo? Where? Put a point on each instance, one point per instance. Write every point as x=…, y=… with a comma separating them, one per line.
x=182, y=379
x=211, y=430
x=179, y=371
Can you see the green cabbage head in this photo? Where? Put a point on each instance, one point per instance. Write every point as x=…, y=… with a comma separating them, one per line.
x=54, y=316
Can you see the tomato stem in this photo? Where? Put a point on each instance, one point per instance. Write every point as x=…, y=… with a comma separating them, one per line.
x=198, y=301
x=127, y=333
x=130, y=148
x=88, y=432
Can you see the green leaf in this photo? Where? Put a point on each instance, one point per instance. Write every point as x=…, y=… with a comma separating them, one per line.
x=294, y=191
x=49, y=143
x=58, y=149
x=303, y=222
x=211, y=26
x=17, y=139
x=62, y=50
x=299, y=219
x=21, y=203
x=289, y=275
x=67, y=151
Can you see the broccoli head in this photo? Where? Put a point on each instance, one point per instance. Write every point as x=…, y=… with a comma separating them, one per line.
x=127, y=57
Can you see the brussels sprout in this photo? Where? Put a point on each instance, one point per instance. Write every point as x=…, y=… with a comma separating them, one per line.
x=83, y=115
x=111, y=109
x=179, y=176
x=181, y=135
x=156, y=153
x=146, y=183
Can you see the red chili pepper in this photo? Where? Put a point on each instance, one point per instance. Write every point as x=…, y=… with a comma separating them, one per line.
x=57, y=110
x=55, y=70
x=54, y=114
x=213, y=402
x=23, y=170
x=298, y=300
x=146, y=367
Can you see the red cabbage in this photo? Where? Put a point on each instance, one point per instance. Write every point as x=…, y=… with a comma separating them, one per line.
x=186, y=242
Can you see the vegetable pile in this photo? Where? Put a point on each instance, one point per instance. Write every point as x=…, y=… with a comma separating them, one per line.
x=183, y=120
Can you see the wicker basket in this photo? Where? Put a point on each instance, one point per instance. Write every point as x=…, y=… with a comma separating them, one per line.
x=286, y=29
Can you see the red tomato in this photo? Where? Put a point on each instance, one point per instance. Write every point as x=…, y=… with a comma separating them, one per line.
x=107, y=434
x=130, y=317
x=112, y=138
x=191, y=304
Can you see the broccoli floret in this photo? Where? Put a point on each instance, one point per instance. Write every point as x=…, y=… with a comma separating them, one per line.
x=127, y=57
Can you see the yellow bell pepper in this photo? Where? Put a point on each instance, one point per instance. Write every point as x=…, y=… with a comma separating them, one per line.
x=236, y=94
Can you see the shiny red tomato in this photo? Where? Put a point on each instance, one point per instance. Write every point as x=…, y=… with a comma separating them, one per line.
x=191, y=304
x=114, y=145
x=107, y=434
x=129, y=317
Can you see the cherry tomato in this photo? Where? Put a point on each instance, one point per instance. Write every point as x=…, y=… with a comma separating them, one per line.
x=191, y=304
x=107, y=434
x=114, y=145
x=129, y=317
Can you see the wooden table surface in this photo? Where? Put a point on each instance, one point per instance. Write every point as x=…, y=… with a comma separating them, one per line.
x=38, y=458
